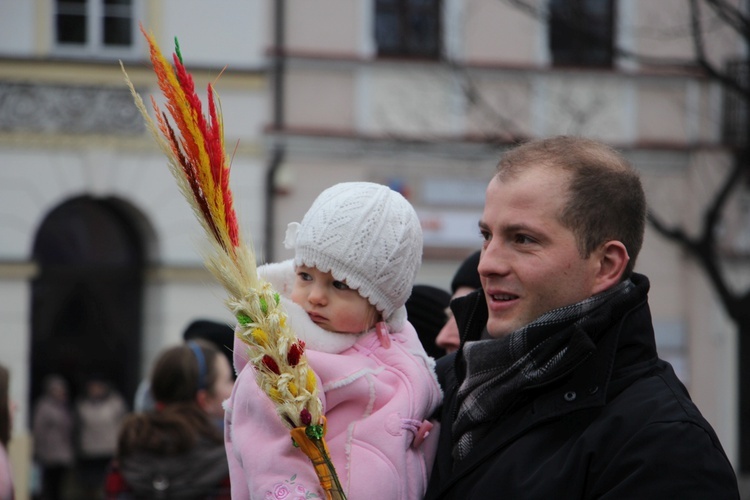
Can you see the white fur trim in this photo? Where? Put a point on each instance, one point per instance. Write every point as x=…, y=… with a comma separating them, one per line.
x=280, y=275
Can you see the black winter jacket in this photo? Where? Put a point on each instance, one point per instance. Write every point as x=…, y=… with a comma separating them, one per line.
x=619, y=426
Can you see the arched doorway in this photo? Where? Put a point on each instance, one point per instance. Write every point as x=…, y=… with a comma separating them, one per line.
x=87, y=297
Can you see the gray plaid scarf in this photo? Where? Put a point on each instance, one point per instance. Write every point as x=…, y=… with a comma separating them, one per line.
x=497, y=370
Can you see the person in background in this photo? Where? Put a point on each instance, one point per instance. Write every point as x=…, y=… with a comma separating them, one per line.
x=220, y=335
x=99, y=413
x=568, y=398
x=6, y=426
x=426, y=311
x=177, y=449
x=52, y=429
x=465, y=281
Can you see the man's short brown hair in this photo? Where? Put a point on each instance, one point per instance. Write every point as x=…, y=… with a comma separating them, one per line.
x=605, y=196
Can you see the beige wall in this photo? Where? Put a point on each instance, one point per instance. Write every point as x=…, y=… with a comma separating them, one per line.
x=325, y=26
x=502, y=105
x=662, y=112
x=320, y=98
x=494, y=34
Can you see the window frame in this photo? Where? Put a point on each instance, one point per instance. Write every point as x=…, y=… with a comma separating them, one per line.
x=579, y=51
x=94, y=47
x=405, y=47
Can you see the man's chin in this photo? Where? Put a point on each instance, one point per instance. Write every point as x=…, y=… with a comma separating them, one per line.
x=498, y=329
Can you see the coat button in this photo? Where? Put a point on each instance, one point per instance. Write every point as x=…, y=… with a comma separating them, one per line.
x=570, y=396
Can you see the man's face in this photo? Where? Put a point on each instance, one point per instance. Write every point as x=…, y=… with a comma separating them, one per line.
x=530, y=262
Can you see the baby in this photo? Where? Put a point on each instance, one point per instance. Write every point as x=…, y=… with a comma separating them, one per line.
x=356, y=255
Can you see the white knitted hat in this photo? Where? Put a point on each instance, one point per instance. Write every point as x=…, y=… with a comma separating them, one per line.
x=364, y=234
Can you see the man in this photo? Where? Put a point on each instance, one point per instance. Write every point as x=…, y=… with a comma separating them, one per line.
x=568, y=399
x=426, y=309
x=465, y=281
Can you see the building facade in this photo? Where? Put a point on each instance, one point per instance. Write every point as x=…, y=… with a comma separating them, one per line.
x=421, y=95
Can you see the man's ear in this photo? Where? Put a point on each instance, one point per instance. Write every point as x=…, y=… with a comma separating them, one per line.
x=612, y=259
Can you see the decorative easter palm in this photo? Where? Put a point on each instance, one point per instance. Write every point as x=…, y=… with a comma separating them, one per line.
x=194, y=146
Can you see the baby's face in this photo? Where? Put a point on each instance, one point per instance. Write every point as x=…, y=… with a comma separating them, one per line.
x=330, y=303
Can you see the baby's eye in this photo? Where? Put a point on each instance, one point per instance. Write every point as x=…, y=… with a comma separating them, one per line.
x=304, y=276
x=340, y=285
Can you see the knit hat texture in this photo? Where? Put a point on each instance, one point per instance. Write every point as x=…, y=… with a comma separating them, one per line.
x=467, y=273
x=366, y=235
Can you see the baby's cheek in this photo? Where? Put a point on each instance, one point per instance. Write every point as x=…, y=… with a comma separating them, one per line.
x=297, y=295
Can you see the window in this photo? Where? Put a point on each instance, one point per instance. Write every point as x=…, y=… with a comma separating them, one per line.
x=408, y=28
x=71, y=22
x=581, y=32
x=93, y=26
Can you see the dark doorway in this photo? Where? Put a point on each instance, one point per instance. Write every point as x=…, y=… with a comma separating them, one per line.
x=87, y=296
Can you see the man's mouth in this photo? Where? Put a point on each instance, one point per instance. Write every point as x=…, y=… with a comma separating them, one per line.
x=503, y=297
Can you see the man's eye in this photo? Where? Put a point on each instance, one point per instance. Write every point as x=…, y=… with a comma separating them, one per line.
x=522, y=239
x=485, y=235
x=340, y=285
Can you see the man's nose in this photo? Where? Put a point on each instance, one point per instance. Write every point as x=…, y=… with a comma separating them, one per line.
x=494, y=259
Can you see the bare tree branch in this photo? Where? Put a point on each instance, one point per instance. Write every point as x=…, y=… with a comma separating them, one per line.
x=712, y=71
x=696, y=28
x=731, y=16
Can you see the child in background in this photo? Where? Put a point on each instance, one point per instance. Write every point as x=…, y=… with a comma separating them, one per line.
x=357, y=252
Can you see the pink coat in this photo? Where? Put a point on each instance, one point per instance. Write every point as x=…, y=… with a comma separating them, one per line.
x=376, y=401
